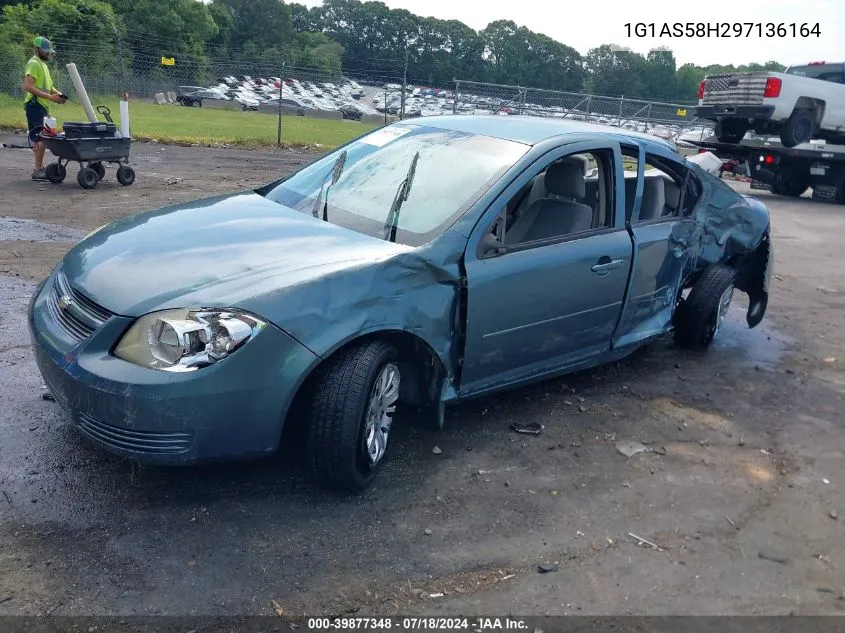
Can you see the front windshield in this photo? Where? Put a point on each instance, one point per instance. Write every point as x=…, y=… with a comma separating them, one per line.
x=454, y=169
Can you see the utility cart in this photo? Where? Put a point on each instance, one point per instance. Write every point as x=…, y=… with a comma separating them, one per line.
x=91, y=145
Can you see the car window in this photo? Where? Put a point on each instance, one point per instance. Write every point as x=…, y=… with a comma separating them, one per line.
x=568, y=197
x=453, y=170
x=825, y=72
x=670, y=190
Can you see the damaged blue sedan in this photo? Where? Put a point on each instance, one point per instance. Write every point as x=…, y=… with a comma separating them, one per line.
x=427, y=262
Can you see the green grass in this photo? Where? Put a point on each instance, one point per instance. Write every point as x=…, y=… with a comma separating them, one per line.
x=204, y=126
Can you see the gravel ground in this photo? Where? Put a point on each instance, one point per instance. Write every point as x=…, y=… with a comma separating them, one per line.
x=737, y=492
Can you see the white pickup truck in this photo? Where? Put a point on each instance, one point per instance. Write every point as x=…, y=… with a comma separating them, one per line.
x=799, y=104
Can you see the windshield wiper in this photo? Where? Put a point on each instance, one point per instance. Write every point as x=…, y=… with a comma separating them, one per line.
x=337, y=170
x=402, y=192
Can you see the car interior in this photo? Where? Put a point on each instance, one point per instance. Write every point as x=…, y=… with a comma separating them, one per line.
x=570, y=196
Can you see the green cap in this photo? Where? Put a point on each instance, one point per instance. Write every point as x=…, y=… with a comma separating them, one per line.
x=44, y=44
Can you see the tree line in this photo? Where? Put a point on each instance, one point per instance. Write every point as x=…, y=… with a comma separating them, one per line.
x=362, y=39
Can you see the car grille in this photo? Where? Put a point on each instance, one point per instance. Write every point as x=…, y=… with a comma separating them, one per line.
x=75, y=313
x=735, y=89
x=137, y=441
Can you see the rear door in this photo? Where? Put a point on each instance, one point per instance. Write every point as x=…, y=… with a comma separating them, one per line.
x=537, y=306
x=663, y=227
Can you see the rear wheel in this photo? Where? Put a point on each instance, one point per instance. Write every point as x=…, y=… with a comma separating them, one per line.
x=731, y=130
x=351, y=413
x=56, y=173
x=87, y=178
x=698, y=317
x=798, y=128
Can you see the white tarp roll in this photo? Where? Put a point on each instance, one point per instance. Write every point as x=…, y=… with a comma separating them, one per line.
x=124, y=119
x=80, y=91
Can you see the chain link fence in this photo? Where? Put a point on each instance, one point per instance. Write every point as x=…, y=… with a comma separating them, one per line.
x=671, y=121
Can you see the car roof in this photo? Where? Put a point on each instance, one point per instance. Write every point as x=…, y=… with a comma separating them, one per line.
x=530, y=130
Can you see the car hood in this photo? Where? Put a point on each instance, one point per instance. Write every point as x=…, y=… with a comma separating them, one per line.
x=215, y=252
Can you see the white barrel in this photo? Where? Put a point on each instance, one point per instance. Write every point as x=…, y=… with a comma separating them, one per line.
x=80, y=91
x=124, y=119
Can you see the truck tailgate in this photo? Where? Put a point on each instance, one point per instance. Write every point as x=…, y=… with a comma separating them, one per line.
x=735, y=88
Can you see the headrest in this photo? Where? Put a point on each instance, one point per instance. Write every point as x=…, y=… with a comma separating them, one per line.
x=566, y=179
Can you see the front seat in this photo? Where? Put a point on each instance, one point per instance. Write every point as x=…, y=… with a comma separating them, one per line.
x=559, y=215
x=538, y=189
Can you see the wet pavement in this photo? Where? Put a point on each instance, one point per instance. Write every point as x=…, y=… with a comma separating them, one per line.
x=733, y=491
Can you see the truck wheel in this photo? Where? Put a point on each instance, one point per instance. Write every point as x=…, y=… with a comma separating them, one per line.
x=791, y=189
x=840, y=190
x=798, y=128
x=698, y=317
x=731, y=130
x=351, y=413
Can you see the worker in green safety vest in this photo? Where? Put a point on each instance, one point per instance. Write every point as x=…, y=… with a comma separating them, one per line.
x=40, y=91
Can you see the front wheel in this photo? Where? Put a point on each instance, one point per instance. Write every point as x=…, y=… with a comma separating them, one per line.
x=87, y=178
x=125, y=175
x=698, y=317
x=351, y=413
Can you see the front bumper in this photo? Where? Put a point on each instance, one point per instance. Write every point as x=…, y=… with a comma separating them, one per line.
x=234, y=409
x=726, y=111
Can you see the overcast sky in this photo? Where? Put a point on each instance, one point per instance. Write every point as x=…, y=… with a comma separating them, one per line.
x=584, y=24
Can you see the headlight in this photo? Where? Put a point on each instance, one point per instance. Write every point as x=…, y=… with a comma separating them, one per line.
x=185, y=340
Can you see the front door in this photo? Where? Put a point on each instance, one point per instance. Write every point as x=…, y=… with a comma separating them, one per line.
x=545, y=288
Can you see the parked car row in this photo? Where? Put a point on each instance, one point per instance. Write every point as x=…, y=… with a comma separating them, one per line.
x=352, y=101
x=251, y=92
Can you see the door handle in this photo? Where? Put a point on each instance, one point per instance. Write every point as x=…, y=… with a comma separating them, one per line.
x=606, y=266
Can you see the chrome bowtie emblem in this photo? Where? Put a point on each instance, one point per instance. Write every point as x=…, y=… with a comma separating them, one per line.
x=65, y=302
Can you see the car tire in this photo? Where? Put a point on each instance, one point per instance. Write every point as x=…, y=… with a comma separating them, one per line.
x=87, y=178
x=353, y=395
x=698, y=317
x=798, y=128
x=731, y=130
x=125, y=175
x=791, y=189
x=56, y=173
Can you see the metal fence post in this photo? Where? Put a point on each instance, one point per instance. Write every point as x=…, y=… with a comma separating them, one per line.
x=384, y=103
x=124, y=89
x=404, y=85
x=455, y=96
x=279, y=131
